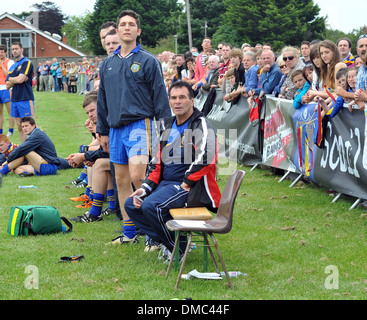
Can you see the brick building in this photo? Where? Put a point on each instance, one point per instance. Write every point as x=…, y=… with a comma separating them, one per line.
x=36, y=43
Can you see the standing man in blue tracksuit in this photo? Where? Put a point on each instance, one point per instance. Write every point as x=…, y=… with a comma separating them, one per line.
x=131, y=94
x=19, y=79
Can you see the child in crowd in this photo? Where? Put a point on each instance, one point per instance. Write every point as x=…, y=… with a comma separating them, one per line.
x=352, y=82
x=346, y=79
x=231, y=78
x=302, y=85
x=358, y=61
x=226, y=85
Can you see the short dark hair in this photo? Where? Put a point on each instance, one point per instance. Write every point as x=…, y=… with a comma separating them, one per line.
x=341, y=72
x=181, y=84
x=346, y=39
x=297, y=73
x=17, y=43
x=305, y=42
x=107, y=25
x=91, y=97
x=28, y=119
x=111, y=32
x=130, y=13
x=3, y=48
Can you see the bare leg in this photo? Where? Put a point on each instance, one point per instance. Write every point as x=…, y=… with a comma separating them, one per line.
x=11, y=119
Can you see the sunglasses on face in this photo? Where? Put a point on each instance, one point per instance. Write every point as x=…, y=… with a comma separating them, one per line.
x=290, y=58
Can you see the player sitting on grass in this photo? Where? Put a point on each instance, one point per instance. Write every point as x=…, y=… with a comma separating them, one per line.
x=37, y=149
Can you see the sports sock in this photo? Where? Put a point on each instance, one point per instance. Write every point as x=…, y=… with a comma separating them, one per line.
x=111, y=199
x=1, y=131
x=96, y=208
x=5, y=170
x=129, y=229
x=11, y=130
x=91, y=194
x=83, y=174
x=87, y=191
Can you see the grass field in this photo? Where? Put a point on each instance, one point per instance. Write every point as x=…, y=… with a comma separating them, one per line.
x=285, y=239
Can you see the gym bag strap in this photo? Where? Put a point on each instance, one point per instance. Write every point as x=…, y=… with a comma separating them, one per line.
x=26, y=220
x=68, y=224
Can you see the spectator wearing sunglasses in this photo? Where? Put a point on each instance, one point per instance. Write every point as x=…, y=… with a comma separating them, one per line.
x=284, y=70
x=293, y=62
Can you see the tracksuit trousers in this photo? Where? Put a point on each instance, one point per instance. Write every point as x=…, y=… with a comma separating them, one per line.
x=151, y=218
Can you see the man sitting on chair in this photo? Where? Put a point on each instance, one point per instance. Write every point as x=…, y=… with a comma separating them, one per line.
x=183, y=172
x=37, y=149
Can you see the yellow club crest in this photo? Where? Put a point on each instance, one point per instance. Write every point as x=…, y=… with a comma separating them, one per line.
x=135, y=67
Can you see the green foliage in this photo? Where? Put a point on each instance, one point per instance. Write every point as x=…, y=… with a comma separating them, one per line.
x=334, y=35
x=76, y=32
x=278, y=22
x=200, y=11
x=155, y=16
x=51, y=18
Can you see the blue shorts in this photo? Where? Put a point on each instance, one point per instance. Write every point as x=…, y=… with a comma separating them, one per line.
x=132, y=139
x=46, y=169
x=4, y=96
x=20, y=109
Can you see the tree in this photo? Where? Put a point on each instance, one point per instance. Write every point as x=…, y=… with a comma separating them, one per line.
x=23, y=15
x=76, y=32
x=279, y=22
x=51, y=18
x=201, y=11
x=155, y=17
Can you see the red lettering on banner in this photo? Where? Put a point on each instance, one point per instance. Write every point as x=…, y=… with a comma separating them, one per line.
x=272, y=124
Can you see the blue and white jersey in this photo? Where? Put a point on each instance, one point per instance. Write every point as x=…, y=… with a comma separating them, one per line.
x=22, y=91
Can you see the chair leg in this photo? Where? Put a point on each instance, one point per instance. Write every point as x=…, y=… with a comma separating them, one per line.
x=177, y=241
x=210, y=251
x=221, y=260
x=184, y=259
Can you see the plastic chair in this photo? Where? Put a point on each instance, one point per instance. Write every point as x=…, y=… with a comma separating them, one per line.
x=221, y=224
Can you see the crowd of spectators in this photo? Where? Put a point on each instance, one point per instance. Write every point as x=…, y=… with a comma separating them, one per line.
x=255, y=69
x=72, y=77
x=302, y=73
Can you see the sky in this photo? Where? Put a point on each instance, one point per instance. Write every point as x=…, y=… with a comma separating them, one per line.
x=341, y=15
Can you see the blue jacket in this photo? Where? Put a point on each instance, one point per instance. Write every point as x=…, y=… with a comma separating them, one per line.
x=131, y=88
x=269, y=80
x=39, y=142
x=251, y=78
x=297, y=102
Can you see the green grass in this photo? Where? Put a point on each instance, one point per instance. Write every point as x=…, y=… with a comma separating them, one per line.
x=282, y=237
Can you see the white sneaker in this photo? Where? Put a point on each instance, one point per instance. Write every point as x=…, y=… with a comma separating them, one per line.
x=9, y=134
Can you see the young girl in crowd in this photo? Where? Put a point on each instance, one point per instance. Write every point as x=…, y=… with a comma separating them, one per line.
x=302, y=85
x=347, y=80
x=329, y=66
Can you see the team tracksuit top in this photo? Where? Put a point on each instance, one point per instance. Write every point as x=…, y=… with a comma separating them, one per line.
x=39, y=142
x=201, y=173
x=131, y=89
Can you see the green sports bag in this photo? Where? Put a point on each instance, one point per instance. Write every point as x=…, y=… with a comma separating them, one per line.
x=27, y=220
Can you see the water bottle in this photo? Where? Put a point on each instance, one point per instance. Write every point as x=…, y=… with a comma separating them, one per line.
x=28, y=187
x=233, y=274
